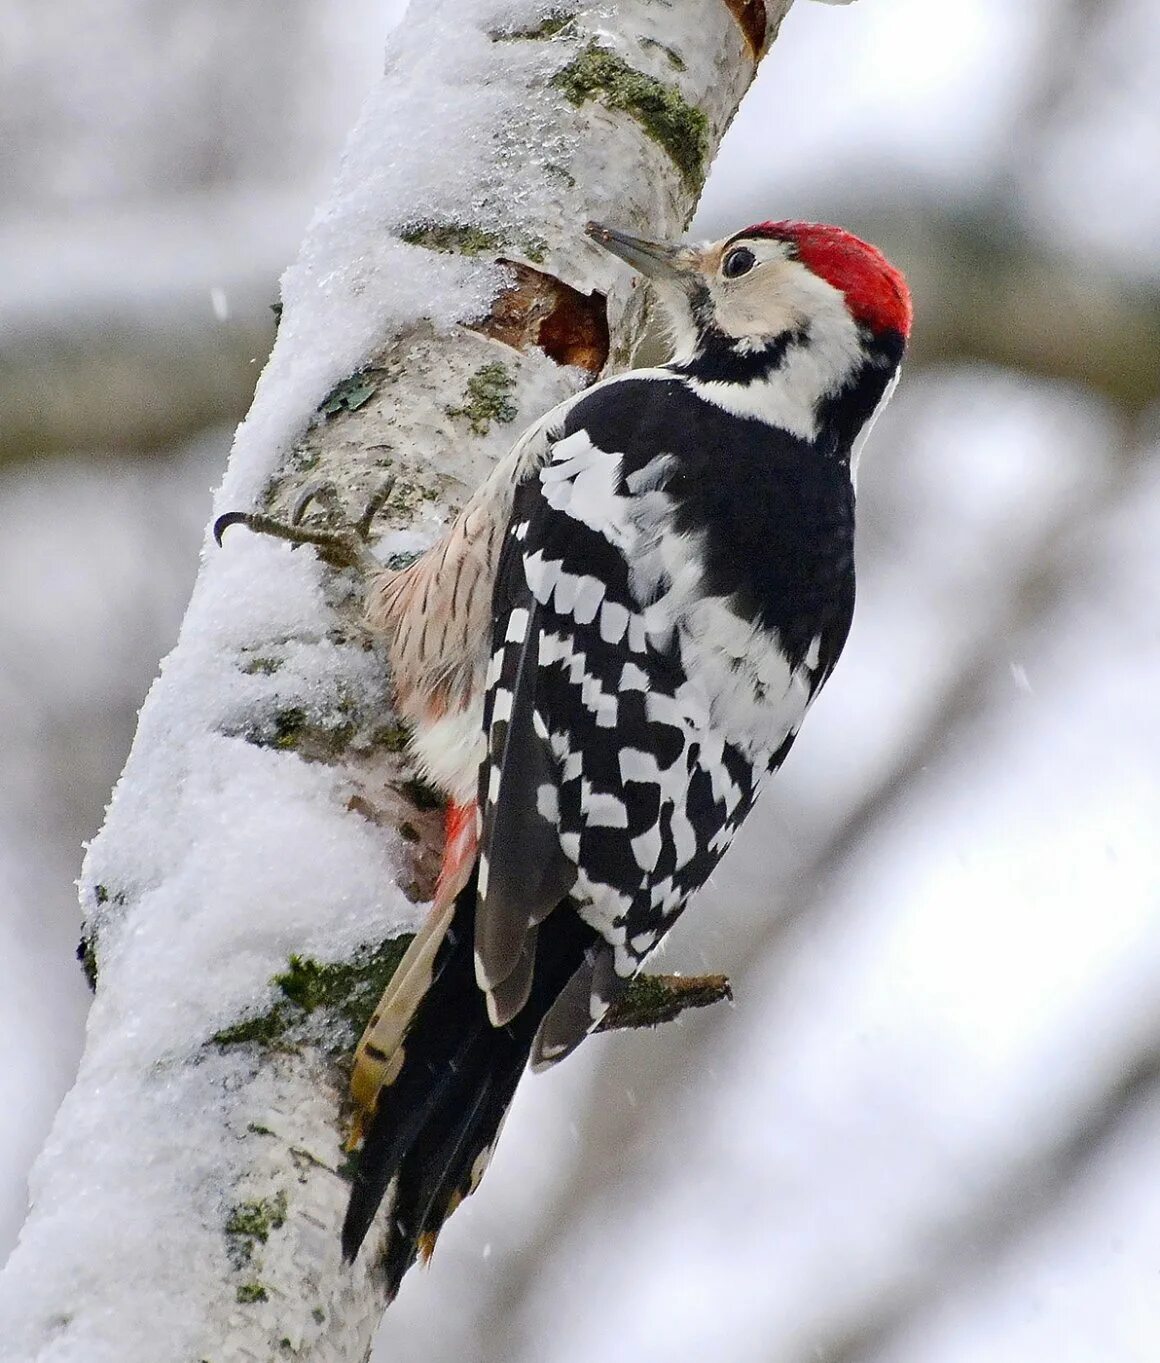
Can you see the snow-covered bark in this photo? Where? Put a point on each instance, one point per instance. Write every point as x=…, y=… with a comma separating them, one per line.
x=266, y=839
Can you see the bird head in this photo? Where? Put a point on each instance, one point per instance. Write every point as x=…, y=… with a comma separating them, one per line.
x=774, y=279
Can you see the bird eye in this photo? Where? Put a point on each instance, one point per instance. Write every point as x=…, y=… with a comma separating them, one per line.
x=738, y=262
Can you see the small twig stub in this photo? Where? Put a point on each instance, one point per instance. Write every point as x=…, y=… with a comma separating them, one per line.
x=651, y=1000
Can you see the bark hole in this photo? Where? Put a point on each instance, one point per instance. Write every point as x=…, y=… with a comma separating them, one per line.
x=540, y=310
x=750, y=16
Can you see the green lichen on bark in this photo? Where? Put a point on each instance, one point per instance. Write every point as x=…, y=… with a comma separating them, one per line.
x=343, y=992
x=350, y=989
x=467, y=239
x=102, y=895
x=87, y=955
x=103, y=899
x=551, y=24
x=261, y=665
x=390, y=738
x=266, y=1030
x=661, y=110
x=406, y=498
x=487, y=399
x=314, y=738
x=351, y=393
x=285, y=730
x=651, y=1000
x=561, y=173
x=249, y=1224
x=461, y=238
x=535, y=248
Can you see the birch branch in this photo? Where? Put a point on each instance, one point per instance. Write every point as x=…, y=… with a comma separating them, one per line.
x=267, y=836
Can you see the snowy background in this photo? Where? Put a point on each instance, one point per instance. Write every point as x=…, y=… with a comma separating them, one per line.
x=927, y=1131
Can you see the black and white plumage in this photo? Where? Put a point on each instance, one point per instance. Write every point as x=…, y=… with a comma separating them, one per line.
x=667, y=576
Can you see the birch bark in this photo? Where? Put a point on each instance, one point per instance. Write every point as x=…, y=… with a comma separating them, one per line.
x=266, y=837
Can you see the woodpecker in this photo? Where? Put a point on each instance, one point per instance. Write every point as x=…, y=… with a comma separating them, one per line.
x=613, y=647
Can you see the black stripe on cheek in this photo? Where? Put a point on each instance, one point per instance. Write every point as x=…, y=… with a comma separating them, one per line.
x=720, y=360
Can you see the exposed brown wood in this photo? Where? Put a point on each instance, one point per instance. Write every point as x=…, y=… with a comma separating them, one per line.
x=541, y=310
x=752, y=20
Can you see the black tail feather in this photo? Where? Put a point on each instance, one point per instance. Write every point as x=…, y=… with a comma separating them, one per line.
x=426, y=1191
x=457, y=1080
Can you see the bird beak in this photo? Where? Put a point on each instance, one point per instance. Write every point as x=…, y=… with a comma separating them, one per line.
x=653, y=259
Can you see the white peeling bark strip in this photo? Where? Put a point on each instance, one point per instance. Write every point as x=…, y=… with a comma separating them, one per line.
x=187, y=1204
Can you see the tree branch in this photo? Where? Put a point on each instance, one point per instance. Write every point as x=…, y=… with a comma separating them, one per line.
x=651, y=1000
x=267, y=826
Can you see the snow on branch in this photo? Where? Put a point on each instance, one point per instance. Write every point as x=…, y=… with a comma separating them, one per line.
x=267, y=844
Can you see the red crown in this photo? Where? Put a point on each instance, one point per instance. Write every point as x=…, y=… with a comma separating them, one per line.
x=875, y=291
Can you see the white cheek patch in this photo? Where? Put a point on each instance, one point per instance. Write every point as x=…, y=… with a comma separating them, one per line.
x=812, y=369
x=754, y=318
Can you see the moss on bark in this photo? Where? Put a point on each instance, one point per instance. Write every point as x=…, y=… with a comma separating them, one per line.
x=661, y=110
x=487, y=399
x=345, y=992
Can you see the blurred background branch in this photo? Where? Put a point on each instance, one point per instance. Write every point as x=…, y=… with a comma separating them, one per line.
x=144, y=379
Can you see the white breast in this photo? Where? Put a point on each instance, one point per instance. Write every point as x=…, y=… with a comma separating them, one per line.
x=755, y=698
x=739, y=681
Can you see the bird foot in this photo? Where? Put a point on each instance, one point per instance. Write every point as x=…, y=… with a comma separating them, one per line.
x=337, y=541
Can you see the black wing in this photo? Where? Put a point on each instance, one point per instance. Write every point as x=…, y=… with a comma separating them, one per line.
x=597, y=786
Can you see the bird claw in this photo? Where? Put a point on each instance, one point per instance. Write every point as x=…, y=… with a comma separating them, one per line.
x=344, y=545
x=325, y=494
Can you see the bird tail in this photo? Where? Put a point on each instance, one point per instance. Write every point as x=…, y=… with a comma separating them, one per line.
x=449, y=1083
x=378, y=1055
